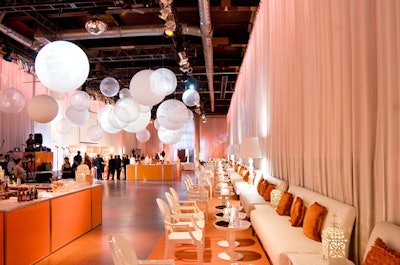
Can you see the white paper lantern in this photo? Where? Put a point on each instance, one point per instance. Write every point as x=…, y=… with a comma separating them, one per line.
x=62, y=66
x=169, y=137
x=144, y=108
x=80, y=100
x=127, y=110
x=173, y=110
x=125, y=93
x=43, y=108
x=114, y=121
x=143, y=136
x=94, y=133
x=163, y=82
x=139, y=124
x=103, y=110
x=191, y=97
x=109, y=86
x=167, y=124
x=156, y=124
x=11, y=100
x=64, y=126
x=141, y=91
x=105, y=123
x=77, y=118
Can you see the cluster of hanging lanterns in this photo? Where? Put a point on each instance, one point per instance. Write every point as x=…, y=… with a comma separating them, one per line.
x=62, y=67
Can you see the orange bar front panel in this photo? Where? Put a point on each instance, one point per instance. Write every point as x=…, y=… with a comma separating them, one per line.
x=27, y=233
x=71, y=217
x=97, y=212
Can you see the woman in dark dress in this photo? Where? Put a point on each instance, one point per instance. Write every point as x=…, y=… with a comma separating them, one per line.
x=66, y=169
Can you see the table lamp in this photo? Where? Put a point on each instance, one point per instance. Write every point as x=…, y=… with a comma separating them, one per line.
x=250, y=149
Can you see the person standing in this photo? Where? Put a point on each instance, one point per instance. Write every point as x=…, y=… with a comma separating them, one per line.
x=118, y=166
x=78, y=158
x=99, y=163
x=125, y=162
x=87, y=161
x=74, y=168
x=66, y=169
x=30, y=142
x=111, y=167
x=19, y=171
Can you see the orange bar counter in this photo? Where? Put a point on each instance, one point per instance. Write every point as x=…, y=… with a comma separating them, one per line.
x=153, y=172
x=32, y=230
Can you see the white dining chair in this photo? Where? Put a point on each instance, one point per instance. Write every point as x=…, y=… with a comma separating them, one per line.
x=123, y=253
x=181, y=233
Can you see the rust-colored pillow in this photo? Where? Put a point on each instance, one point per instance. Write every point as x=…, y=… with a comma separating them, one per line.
x=263, y=187
x=236, y=167
x=246, y=176
x=312, y=223
x=267, y=193
x=380, y=253
x=298, y=212
x=284, y=204
x=241, y=170
x=260, y=182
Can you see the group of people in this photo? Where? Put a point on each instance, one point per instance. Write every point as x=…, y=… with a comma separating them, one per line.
x=115, y=165
x=68, y=170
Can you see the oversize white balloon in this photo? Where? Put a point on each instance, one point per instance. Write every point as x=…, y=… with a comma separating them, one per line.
x=80, y=100
x=105, y=123
x=141, y=91
x=163, y=82
x=62, y=66
x=127, y=110
x=109, y=86
x=143, y=136
x=191, y=97
x=125, y=93
x=64, y=126
x=94, y=133
x=11, y=100
x=169, y=137
x=43, y=108
x=139, y=124
x=77, y=118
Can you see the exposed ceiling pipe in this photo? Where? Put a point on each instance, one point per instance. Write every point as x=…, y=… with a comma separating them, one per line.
x=18, y=37
x=206, y=30
x=128, y=31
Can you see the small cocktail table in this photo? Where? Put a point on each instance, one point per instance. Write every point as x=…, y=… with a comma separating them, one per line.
x=231, y=228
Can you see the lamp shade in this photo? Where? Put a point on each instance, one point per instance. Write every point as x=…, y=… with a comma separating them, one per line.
x=250, y=148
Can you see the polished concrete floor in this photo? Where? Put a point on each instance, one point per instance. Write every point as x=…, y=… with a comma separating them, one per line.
x=130, y=209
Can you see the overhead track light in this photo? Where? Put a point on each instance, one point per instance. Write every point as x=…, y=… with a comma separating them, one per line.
x=95, y=26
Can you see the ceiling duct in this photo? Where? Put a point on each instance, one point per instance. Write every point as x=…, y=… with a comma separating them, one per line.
x=129, y=31
x=206, y=30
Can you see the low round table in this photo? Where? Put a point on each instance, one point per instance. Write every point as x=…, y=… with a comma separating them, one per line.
x=237, y=216
x=237, y=225
x=237, y=208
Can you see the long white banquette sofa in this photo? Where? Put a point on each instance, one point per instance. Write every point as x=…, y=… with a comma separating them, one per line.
x=389, y=233
x=275, y=232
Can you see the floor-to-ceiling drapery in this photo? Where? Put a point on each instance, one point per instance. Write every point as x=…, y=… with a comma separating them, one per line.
x=320, y=86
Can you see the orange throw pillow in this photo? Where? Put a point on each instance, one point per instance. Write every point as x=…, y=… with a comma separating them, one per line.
x=246, y=176
x=263, y=187
x=267, y=193
x=298, y=212
x=284, y=204
x=260, y=182
x=312, y=223
x=380, y=253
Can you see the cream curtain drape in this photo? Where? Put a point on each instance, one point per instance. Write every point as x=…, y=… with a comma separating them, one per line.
x=320, y=86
